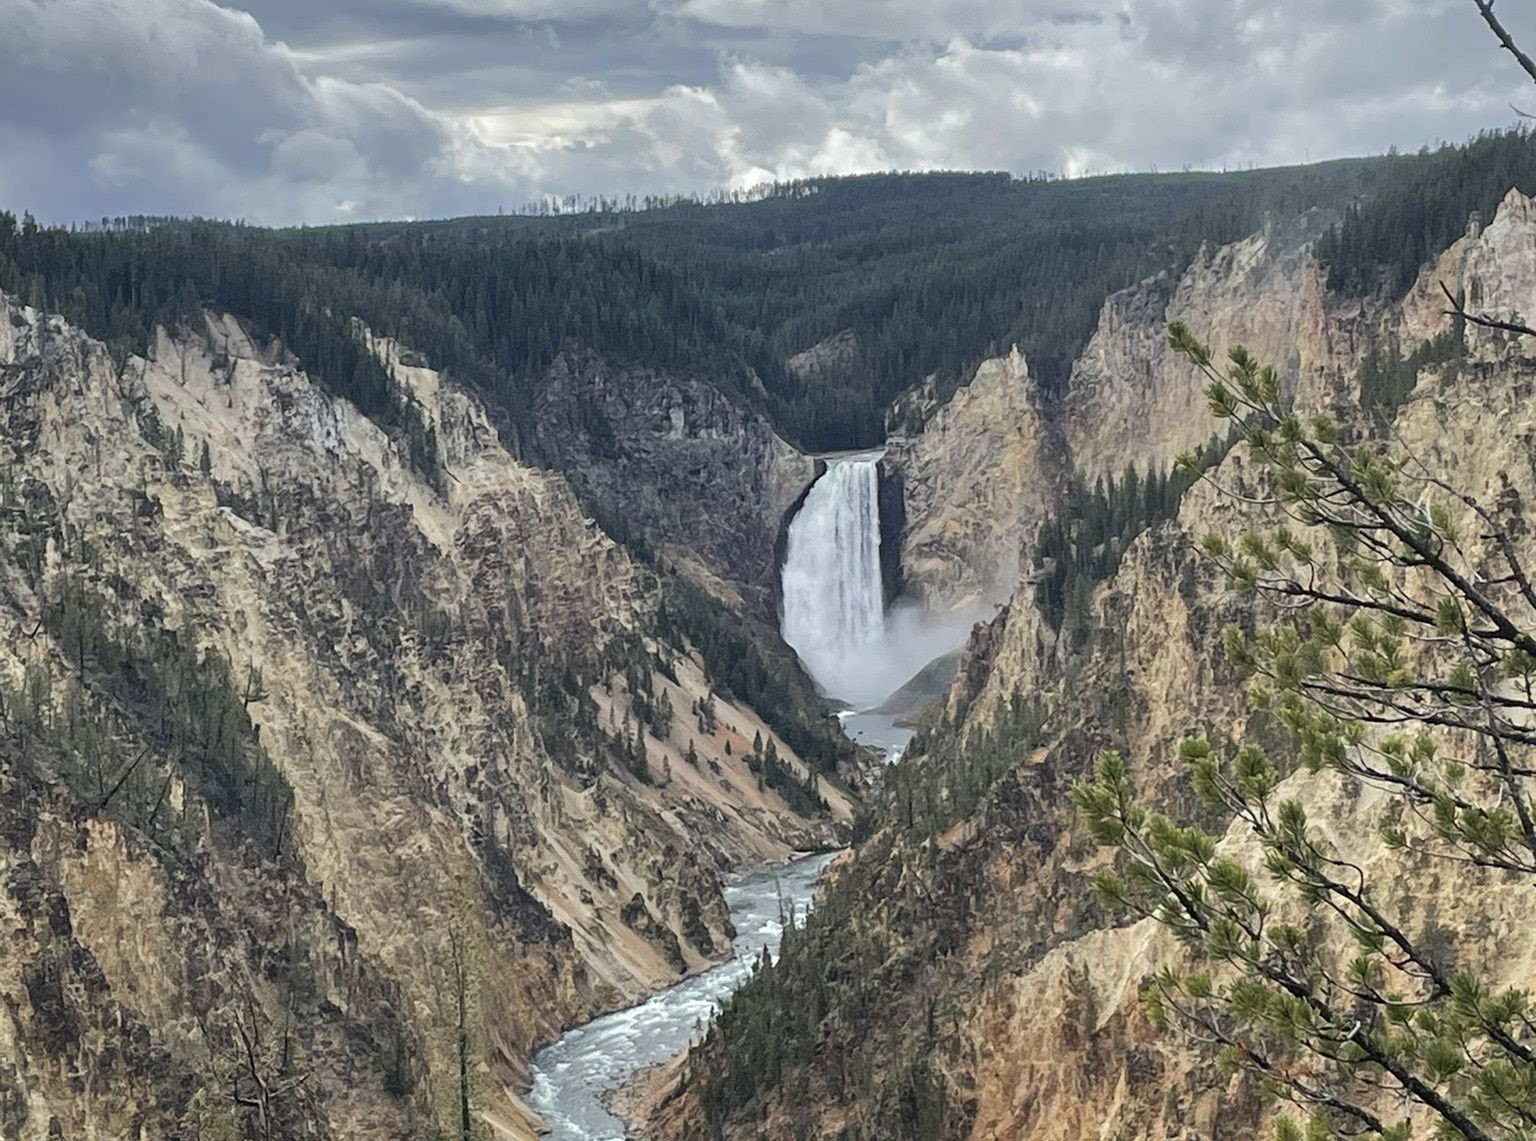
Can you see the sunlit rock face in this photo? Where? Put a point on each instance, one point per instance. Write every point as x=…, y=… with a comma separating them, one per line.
x=1132, y=402
x=989, y=465
x=976, y=480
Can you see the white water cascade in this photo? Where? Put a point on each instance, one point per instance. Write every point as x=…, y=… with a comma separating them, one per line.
x=834, y=598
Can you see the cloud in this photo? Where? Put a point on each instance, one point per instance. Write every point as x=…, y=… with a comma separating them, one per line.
x=530, y=9
x=425, y=107
x=185, y=106
x=1165, y=85
x=894, y=20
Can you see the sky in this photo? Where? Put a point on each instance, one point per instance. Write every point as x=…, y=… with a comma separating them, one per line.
x=313, y=111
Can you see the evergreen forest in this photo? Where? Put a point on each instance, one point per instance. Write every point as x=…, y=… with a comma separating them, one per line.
x=917, y=277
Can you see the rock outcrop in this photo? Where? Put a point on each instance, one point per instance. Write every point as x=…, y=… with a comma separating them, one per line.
x=674, y=462
x=976, y=480
x=1131, y=402
x=990, y=464
x=837, y=354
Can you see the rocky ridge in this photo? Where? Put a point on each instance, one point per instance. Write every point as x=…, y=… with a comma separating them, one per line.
x=975, y=481
x=990, y=464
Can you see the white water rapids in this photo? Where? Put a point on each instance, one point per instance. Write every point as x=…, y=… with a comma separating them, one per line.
x=571, y=1076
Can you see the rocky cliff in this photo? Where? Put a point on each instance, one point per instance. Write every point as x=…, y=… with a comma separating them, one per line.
x=1065, y=1049
x=336, y=778
x=990, y=464
x=677, y=464
x=962, y=982
x=1131, y=402
x=976, y=479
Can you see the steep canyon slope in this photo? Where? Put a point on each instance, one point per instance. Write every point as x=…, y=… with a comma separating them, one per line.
x=990, y=464
x=336, y=780
x=674, y=462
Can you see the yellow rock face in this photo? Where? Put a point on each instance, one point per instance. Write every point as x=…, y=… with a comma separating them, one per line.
x=398, y=625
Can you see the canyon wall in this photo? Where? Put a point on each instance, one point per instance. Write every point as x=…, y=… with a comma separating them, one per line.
x=976, y=480
x=440, y=779
x=675, y=463
x=989, y=465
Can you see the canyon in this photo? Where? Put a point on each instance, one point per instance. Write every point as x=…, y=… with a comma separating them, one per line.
x=361, y=745
x=498, y=782
x=977, y=988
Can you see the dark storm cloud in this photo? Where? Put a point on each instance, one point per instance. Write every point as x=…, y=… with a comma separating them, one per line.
x=297, y=110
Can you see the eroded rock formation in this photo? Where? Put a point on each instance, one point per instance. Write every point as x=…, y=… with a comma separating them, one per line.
x=678, y=464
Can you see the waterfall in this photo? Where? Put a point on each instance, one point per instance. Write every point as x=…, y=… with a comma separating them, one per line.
x=834, y=599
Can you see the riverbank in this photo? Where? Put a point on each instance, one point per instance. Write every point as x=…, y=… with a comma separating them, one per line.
x=638, y=1100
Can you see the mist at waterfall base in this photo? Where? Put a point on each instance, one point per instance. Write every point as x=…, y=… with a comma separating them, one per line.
x=834, y=598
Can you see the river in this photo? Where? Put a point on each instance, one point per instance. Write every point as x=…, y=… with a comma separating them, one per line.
x=878, y=731
x=571, y=1076
x=836, y=619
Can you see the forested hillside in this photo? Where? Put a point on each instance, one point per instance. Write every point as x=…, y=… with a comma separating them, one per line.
x=1419, y=207
x=928, y=273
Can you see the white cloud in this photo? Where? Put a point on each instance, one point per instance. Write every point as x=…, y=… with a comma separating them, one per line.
x=531, y=9
x=1170, y=84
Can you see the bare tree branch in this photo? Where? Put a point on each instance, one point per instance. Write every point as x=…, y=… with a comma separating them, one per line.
x=1458, y=310
x=1506, y=40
